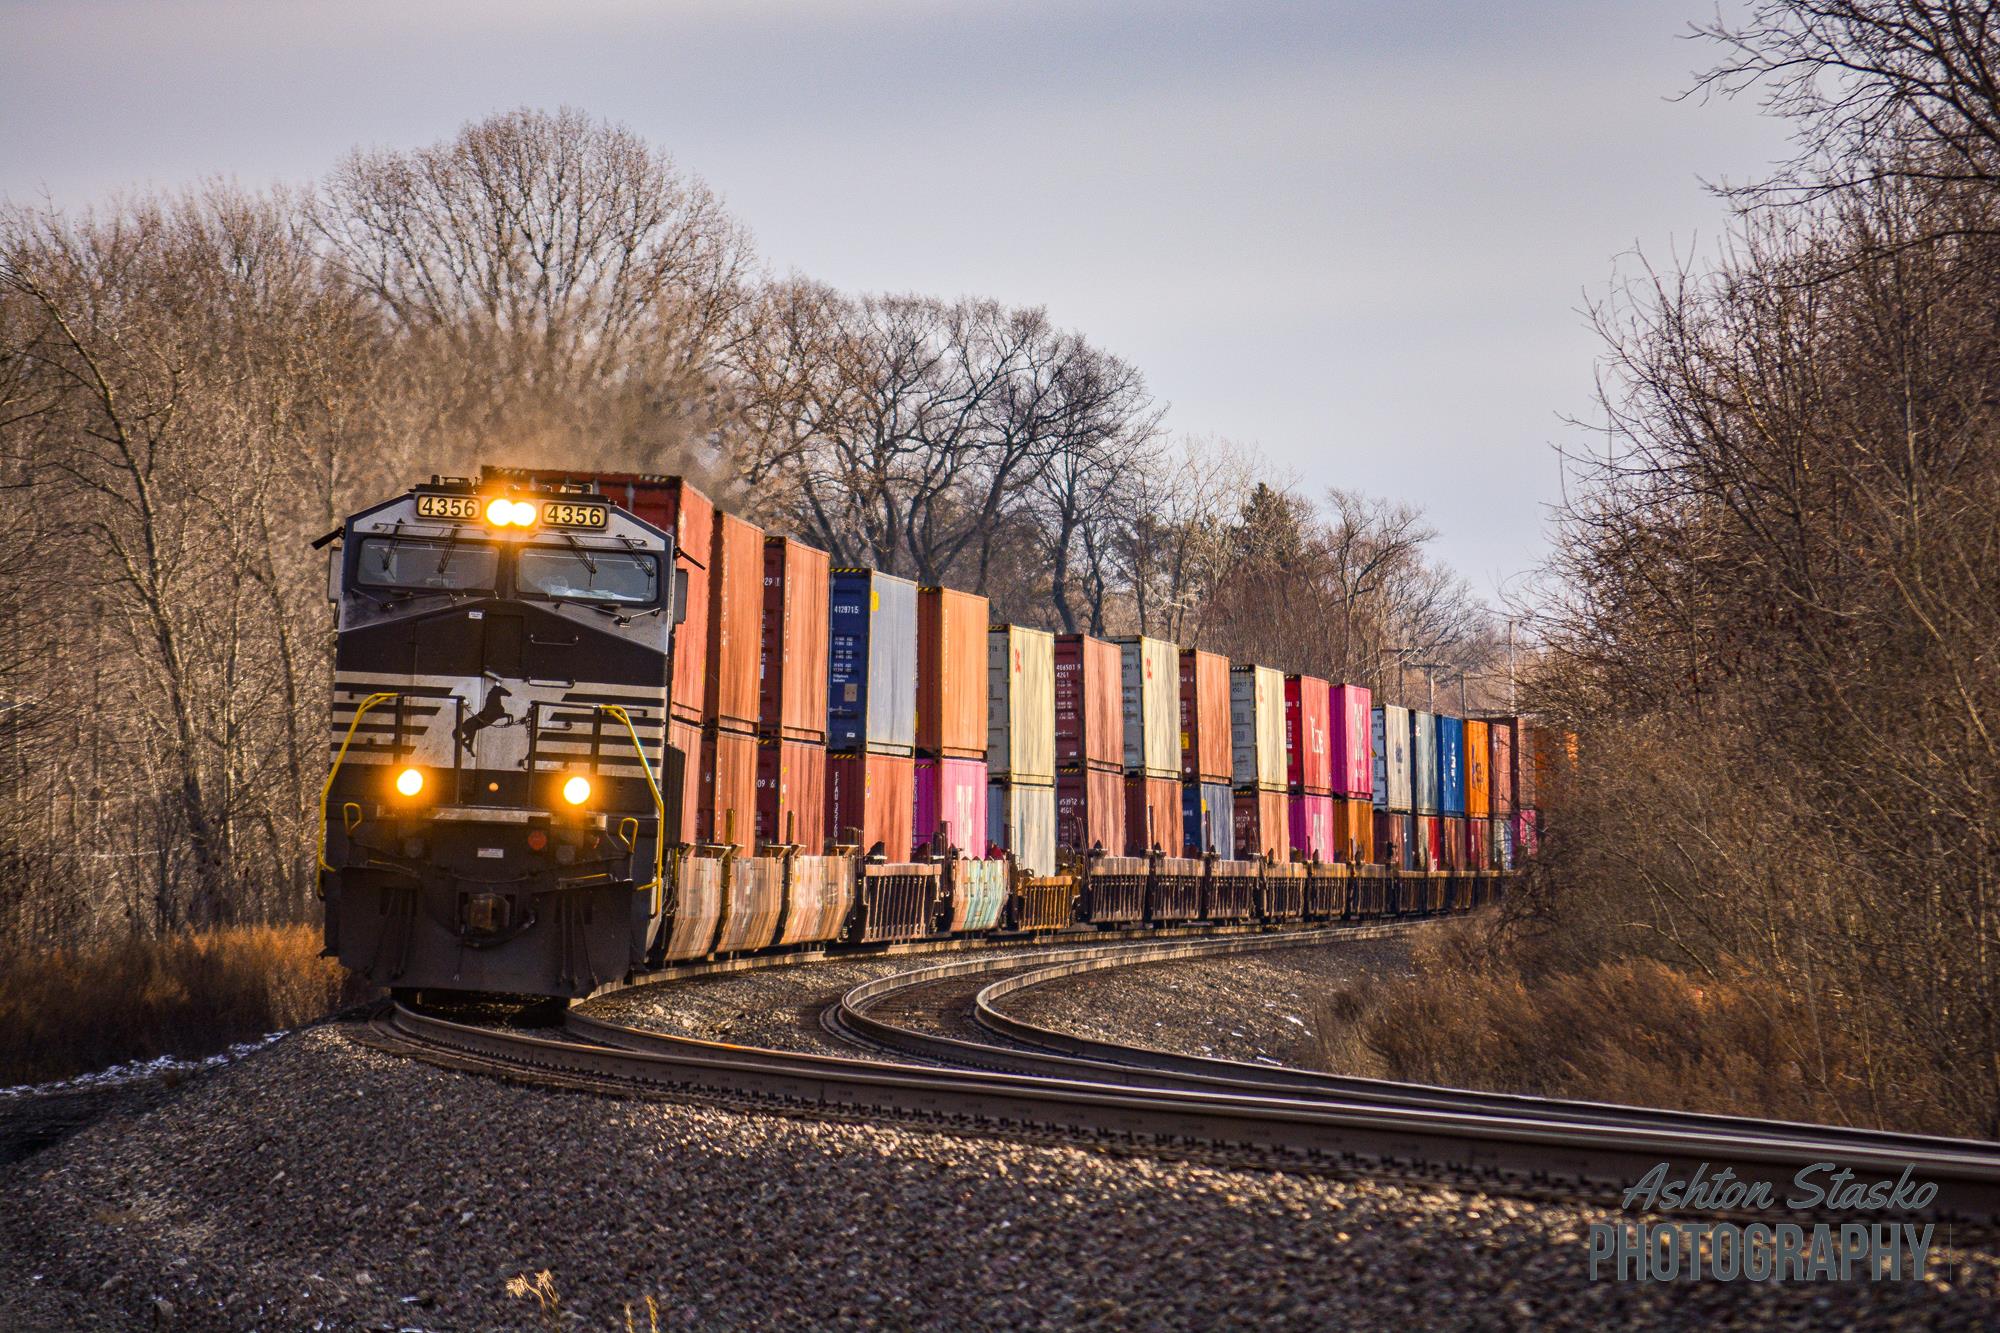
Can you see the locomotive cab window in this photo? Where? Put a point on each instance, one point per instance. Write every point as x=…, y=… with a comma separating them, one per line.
x=427, y=566
x=626, y=577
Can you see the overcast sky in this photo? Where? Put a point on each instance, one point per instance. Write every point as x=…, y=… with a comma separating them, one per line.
x=1355, y=235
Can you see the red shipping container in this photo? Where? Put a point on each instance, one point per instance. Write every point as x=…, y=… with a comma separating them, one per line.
x=791, y=793
x=1312, y=826
x=1527, y=835
x=1263, y=824
x=1500, y=736
x=871, y=798
x=1152, y=815
x=686, y=737
x=1090, y=702
x=1308, y=753
x=792, y=660
x=1479, y=843
x=1351, y=727
x=1205, y=752
x=951, y=675
x=1429, y=844
x=950, y=799
x=1451, y=842
x=727, y=813
x=1090, y=809
x=1391, y=838
x=735, y=623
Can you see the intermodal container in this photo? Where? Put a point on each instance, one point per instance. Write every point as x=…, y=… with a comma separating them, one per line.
x=1478, y=770
x=1263, y=823
x=1308, y=748
x=951, y=804
x=1479, y=841
x=1312, y=826
x=1205, y=726
x=1392, y=757
x=682, y=784
x=1352, y=740
x=1151, y=706
x=727, y=813
x=1503, y=843
x=792, y=662
x=1257, y=727
x=1450, y=765
x=870, y=799
x=1090, y=809
x=1021, y=820
x=1353, y=829
x=1394, y=833
x=1208, y=819
x=1525, y=741
x=1423, y=762
x=1090, y=702
x=791, y=793
x=1430, y=848
x=1021, y=704
x=951, y=677
x=1451, y=841
x=1527, y=834
x=1500, y=743
x=1152, y=814
x=735, y=623
x=871, y=694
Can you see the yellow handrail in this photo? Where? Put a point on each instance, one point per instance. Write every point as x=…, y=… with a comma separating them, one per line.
x=659, y=803
x=338, y=759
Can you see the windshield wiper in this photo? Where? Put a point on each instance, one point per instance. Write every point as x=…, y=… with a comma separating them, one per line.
x=449, y=542
x=583, y=551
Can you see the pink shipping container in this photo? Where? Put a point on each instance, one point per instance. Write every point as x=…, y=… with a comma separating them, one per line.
x=1308, y=751
x=871, y=798
x=1352, y=727
x=951, y=796
x=1527, y=837
x=1312, y=826
x=1152, y=814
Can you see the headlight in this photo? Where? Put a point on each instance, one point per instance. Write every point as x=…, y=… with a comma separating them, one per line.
x=577, y=790
x=500, y=512
x=410, y=781
x=525, y=514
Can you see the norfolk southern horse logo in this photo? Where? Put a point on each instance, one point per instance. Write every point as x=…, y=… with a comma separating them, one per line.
x=492, y=713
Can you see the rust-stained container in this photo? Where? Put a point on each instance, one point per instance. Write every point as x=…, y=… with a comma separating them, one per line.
x=1430, y=850
x=1090, y=809
x=1021, y=704
x=951, y=803
x=735, y=624
x=976, y=894
x=1353, y=829
x=1150, y=677
x=1525, y=742
x=1478, y=769
x=683, y=513
x=1043, y=902
x=1090, y=702
x=871, y=798
x=897, y=902
x=1263, y=823
x=727, y=815
x=951, y=674
x=1173, y=892
x=1308, y=748
x=1152, y=814
x=791, y=793
x=1229, y=890
x=1351, y=739
x=1451, y=842
x=1393, y=833
x=685, y=737
x=1206, y=748
x=1114, y=889
x=818, y=897
x=1257, y=727
x=1021, y=821
x=693, y=906
x=1479, y=840
x=1283, y=891
x=1500, y=747
x=753, y=898
x=1312, y=827
x=792, y=660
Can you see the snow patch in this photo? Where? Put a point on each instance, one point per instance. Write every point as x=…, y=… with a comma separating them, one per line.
x=138, y=1071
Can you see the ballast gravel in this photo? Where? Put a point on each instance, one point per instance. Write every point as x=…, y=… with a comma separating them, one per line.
x=322, y=1183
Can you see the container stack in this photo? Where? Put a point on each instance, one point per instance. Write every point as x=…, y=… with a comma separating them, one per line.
x=1395, y=824
x=1150, y=676
x=1450, y=749
x=791, y=710
x=1424, y=785
x=1309, y=766
x=1021, y=745
x=1478, y=795
x=1090, y=745
x=1208, y=808
x=1351, y=735
x=1500, y=741
x=950, y=804
x=1258, y=762
x=871, y=711
x=727, y=813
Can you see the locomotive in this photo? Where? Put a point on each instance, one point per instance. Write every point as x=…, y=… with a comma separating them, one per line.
x=505, y=810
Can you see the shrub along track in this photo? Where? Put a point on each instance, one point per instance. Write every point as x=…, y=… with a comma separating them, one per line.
x=970, y=1068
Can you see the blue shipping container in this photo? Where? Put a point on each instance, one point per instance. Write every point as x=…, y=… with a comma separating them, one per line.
x=871, y=669
x=1450, y=765
x=1208, y=819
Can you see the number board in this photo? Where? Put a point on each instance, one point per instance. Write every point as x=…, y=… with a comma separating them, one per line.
x=572, y=514
x=462, y=507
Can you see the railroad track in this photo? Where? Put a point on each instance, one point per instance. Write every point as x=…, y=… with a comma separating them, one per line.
x=1014, y=1078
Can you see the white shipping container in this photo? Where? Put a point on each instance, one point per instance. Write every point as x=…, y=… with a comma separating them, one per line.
x=1021, y=703
x=1423, y=761
x=1392, y=758
x=1021, y=819
x=1257, y=727
x=1152, y=679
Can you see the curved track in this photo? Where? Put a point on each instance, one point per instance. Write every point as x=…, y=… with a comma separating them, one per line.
x=1010, y=1077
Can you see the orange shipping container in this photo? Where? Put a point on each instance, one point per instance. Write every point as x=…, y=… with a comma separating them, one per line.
x=735, y=623
x=792, y=662
x=1263, y=824
x=951, y=673
x=791, y=793
x=1478, y=769
x=1354, y=829
x=1500, y=737
x=727, y=814
x=1090, y=808
x=1205, y=752
x=869, y=799
x=1152, y=815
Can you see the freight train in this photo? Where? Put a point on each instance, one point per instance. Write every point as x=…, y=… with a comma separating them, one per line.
x=588, y=726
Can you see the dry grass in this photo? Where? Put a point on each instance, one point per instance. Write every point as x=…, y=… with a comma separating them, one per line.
x=74, y=1010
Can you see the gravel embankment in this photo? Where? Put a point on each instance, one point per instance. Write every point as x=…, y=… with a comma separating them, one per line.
x=321, y=1183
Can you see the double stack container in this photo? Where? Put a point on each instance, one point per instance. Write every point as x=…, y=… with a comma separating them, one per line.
x=1021, y=746
x=791, y=720
x=1150, y=691
x=951, y=720
x=1395, y=828
x=1208, y=811
x=1309, y=766
x=1450, y=771
x=1258, y=762
x=1090, y=745
x=1478, y=770
x=871, y=711
x=1351, y=726
x=731, y=694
